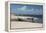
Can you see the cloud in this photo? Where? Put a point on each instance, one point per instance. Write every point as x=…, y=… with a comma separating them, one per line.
x=24, y=8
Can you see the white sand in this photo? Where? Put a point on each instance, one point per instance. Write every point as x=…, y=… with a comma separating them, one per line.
x=17, y=24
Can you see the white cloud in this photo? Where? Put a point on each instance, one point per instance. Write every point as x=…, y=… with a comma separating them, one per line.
x=24, y=8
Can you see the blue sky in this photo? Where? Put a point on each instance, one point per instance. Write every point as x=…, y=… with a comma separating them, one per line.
x=26, y=9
